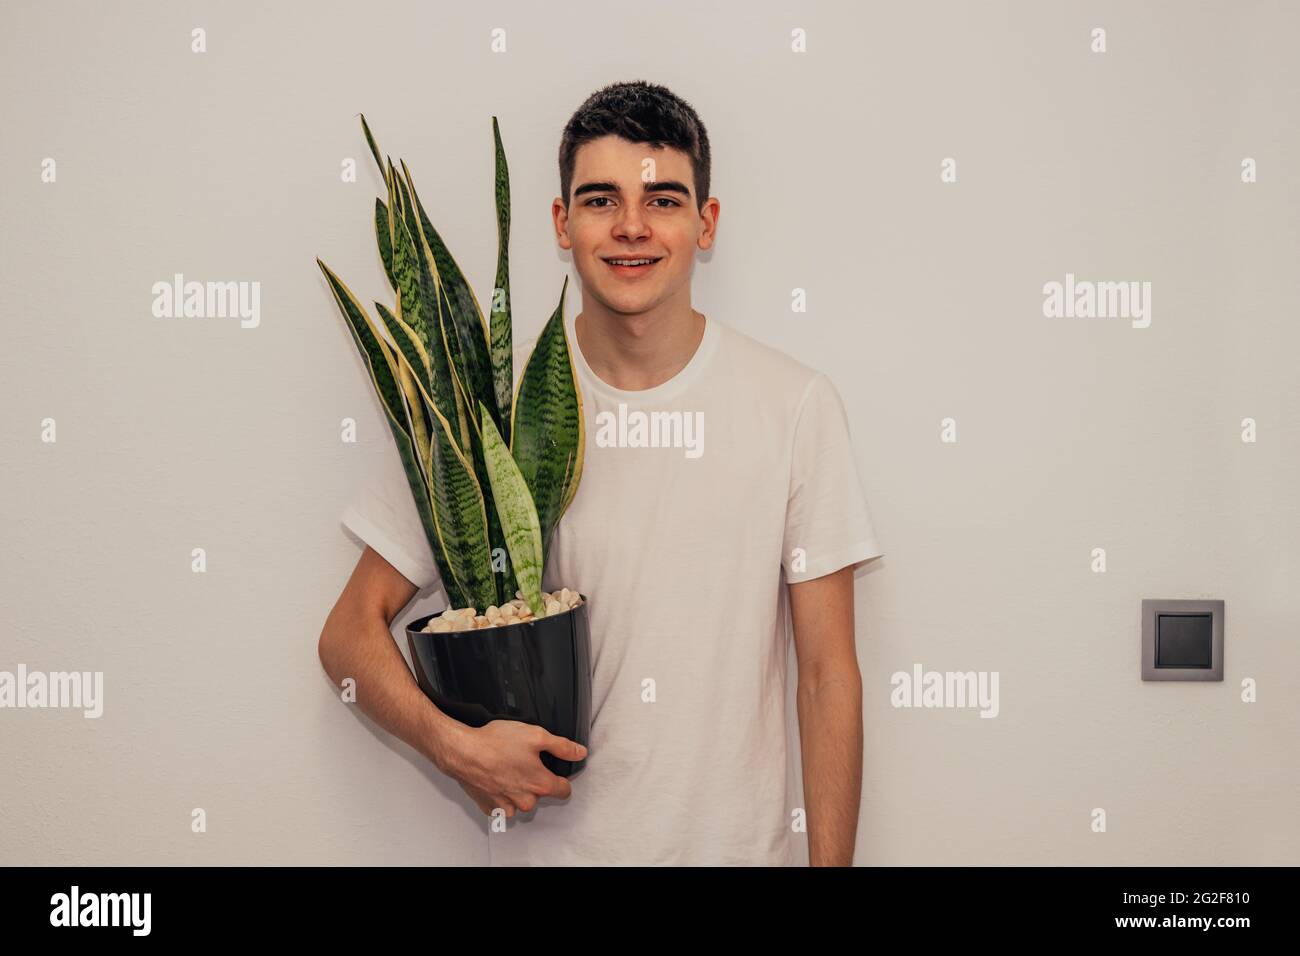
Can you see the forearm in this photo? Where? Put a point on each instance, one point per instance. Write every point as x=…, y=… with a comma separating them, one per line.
x=363, y=649
x=830, y=737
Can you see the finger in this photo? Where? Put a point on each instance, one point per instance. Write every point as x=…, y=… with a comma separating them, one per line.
x=564, y=748
x=526, y=802
x=560, y=787
x=498, y=801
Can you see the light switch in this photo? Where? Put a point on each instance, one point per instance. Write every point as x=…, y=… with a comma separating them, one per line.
x=1182, y=640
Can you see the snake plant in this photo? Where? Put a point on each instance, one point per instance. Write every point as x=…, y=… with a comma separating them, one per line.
x=492, y=465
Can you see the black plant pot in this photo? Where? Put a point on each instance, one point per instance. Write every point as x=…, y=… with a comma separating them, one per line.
x=538, y=672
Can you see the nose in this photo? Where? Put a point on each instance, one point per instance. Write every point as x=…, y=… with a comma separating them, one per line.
x=631, y=223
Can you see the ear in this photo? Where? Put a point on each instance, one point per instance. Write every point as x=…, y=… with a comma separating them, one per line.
x=709, y=222
x=560, y=216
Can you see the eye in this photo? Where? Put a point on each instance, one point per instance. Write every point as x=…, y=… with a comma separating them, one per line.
x=671, y=202
x=596, y=199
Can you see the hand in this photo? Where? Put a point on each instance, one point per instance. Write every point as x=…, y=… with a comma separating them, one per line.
x=500, y=765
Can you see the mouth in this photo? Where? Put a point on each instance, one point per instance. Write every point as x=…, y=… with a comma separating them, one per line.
x=628, y=266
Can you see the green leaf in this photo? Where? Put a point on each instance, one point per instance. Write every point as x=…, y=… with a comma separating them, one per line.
x=506, y=580
x=406, y=262
x=417, y=422
x=384, y=374
x=503, y=359
x=407, y=341
x=415, y=476
x=374, y=147
x=468, y=348
x=419, y=301
x=383, y=237
x=514, y=506
x=459, y=513
x=548, y=429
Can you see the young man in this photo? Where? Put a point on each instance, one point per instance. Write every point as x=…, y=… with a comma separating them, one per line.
x=694, y=551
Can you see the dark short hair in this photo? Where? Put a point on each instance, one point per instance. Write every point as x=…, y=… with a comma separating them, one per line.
x=642, y=113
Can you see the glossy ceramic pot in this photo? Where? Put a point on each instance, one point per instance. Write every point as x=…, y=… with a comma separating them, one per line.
x=538, y=672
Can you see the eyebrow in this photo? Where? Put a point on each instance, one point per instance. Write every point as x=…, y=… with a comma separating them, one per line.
x=658, y=186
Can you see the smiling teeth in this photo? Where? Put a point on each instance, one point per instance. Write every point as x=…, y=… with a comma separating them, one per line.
x=631, y=262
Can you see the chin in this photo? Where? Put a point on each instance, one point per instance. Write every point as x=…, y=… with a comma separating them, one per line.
x=632, y=303
x=632, y=306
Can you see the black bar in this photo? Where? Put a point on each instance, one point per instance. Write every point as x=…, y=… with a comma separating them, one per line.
x=924, y=904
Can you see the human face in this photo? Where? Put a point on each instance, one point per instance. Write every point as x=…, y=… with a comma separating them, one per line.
x=614, y=213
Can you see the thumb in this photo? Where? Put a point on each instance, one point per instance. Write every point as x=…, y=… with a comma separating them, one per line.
x=564, y=748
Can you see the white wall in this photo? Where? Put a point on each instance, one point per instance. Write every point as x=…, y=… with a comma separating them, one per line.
x=925, y=302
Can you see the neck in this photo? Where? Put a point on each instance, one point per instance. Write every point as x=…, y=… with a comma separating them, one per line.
x=637, y=351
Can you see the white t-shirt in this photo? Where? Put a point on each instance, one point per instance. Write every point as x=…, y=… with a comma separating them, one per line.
x=683, y=551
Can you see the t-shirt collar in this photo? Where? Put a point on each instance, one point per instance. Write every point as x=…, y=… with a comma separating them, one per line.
x=688, y=374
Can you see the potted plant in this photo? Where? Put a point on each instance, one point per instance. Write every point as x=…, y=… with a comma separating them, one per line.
x=492, y=467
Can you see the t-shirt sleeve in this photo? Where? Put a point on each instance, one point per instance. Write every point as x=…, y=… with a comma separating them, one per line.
x=827, y=520
x=383, y=515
